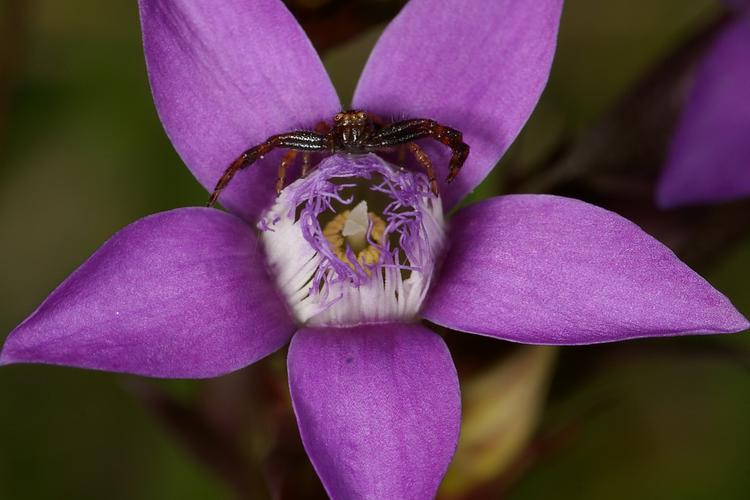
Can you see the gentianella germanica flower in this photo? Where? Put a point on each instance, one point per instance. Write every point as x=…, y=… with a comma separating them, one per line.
x=347, y=259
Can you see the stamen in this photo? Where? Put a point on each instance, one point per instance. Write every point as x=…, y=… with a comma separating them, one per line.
x=359, y=232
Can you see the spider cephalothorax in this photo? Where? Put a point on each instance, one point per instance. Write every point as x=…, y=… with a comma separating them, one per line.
x=353, y=131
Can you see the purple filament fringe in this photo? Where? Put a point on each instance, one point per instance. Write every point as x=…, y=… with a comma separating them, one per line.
x=317, y=193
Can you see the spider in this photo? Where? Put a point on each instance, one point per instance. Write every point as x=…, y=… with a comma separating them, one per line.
x=353, y=131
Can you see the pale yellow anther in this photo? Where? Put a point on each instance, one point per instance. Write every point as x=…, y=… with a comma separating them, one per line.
x=349, y=230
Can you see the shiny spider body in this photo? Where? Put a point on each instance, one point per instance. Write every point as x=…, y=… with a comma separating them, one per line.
x=353, y=131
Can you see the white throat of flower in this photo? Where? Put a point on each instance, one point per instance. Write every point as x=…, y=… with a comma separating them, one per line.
x=356, y=241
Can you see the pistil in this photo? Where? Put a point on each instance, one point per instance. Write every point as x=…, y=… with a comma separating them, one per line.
x=355, y=230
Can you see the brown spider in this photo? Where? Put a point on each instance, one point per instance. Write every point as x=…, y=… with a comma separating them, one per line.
x=353, y=131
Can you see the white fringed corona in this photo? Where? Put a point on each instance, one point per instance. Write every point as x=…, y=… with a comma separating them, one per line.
x=356, y=241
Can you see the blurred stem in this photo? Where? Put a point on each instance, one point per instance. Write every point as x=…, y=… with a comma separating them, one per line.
x=204, y=441
x=242, y=428
x=500, y=410
x=543, y=447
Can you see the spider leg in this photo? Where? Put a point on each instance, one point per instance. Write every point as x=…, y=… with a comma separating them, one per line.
x=287, y=160
x=377, y=120
x=299, y=140
x=409, y=130
x=402, y=150
x=426, y=163
x=305, y=164
x=322, y=127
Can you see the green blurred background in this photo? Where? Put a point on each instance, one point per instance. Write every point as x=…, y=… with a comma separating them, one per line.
x=82, y=154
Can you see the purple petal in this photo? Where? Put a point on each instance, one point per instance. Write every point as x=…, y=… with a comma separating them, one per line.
x=478, y=67
x=709, y=159
x=227, y=75
x=549, y=270
x=378, y=408
x=177, y=294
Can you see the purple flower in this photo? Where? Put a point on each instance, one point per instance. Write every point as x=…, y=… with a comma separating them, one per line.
x=709, y=158
x=352, y=248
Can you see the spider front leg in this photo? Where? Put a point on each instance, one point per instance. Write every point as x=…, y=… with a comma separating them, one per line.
x=287, y=160
x=299, y=140
x=305, y=164
x=426, y=163
x=321, y=128
x=410, y=130
x=402, y=150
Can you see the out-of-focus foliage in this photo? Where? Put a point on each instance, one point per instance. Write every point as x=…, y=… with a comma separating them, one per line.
x=500, y=411
x=82, y=154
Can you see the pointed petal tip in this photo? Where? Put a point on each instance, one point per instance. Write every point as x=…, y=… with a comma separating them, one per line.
x=721, y=321
x=738, y=324
x=180, y=294
x=9, y=353
x=726, y=320
x=14, y=352
x=5, y=358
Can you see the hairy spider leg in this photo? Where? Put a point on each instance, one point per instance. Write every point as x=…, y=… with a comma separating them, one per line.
x=305, y=164
x=377, y=120
x=322, y=127
x=410, y=130
x=426, y=163
x=300, y=140
x=402, y=150
x=286, y=160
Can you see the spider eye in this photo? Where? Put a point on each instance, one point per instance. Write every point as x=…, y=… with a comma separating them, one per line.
x=338, y=117
x=361, y=115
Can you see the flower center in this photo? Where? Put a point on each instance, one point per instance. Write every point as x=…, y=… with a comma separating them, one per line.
x=354, y=242
x=348, y=230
